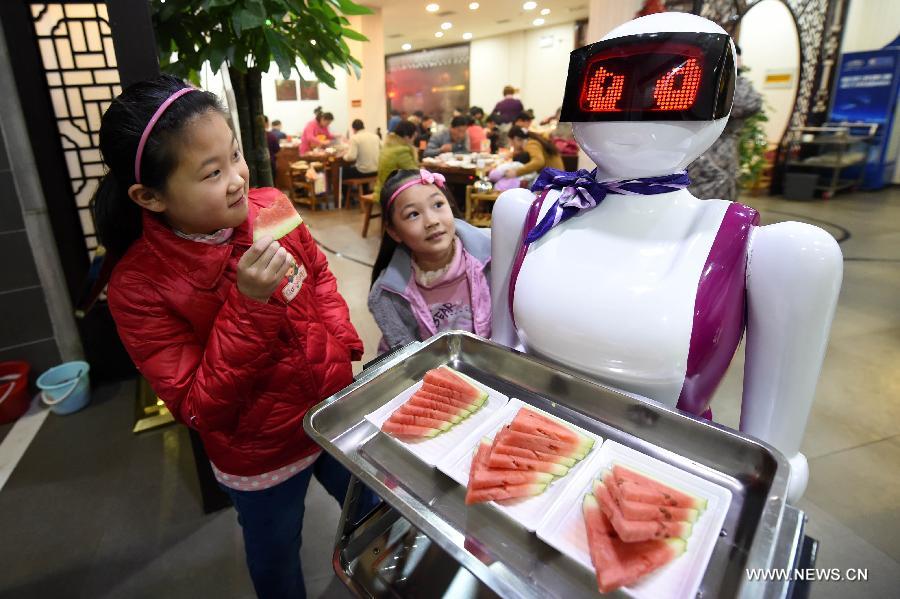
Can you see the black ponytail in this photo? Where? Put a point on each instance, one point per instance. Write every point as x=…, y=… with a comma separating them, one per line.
x=117, y=217
x=388, y=245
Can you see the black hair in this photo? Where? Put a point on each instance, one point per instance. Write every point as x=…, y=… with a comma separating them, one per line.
x=325, y=116
x=524, y=116
x=459, y=121
x=276, y=123
x=388, y=245
x=405, y=129
x=357, y=125
x=476, y=110
x=518, y=132
x=419, y=113
x=117, y=217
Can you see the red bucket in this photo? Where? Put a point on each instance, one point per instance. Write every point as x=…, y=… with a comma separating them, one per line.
x=14, y=398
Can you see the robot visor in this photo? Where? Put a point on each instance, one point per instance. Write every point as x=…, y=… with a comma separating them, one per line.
x=651, y=77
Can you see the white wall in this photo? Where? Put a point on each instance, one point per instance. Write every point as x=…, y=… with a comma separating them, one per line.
x=368, y=90
x=871, y=25
x=519, y=59
x=493, y=63
x=295, y=114
x=769, y=42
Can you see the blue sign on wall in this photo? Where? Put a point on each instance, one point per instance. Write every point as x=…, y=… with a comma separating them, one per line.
x=866, y=92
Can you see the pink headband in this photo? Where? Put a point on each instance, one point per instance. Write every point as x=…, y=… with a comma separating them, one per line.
x=156, y=115
x=425, y=178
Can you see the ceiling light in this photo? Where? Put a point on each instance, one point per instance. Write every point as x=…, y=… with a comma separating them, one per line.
x=538, y=22
x=529, y=6
x=406, y=46
x=467, y=36
x=438, y=34
x=447, y=25
x=545, y=11
x=473, y=5
x=432, y=7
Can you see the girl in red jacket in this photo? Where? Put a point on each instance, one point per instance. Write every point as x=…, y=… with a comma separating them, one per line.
x=205, y=314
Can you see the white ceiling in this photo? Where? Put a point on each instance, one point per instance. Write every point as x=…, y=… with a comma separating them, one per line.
x=407, y=21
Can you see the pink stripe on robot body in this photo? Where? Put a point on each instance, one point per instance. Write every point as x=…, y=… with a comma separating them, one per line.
x=719, y=310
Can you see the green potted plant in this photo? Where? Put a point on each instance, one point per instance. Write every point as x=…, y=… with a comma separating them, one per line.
x=248, y=36
x=752, y=146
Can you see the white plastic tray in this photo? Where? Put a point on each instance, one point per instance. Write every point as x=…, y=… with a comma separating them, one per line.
x=529, y=512
x=564, y=527
x=433, y=450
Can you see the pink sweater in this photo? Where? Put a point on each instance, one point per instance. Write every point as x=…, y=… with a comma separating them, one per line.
x=311, y=133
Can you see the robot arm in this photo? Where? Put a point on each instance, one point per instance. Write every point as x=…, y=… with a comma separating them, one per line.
x=507, y=220
x=794, y=273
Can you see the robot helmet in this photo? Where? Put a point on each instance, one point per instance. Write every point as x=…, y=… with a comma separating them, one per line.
x=652, y=95
x=660, y=76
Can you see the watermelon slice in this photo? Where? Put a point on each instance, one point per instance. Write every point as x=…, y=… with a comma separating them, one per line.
x=452, y=394
x=435, y=405
x=511, y=462
x=276, y=220
x=617, y=563
x=632, y=531
x=401, y=418
x=543, y=444
x=503, y=493
x=414, y=410
x=636, y=510
x=433, y=393
x=457, y=382
x=409, y=430
x=490, y=477
x=529, y=421
x=533, y=455
x=479, y=464
x=653, y=491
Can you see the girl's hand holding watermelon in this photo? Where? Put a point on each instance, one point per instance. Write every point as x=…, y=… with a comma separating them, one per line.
x=262, y=268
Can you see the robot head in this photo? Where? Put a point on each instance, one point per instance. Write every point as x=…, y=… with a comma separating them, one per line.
x=652, y=95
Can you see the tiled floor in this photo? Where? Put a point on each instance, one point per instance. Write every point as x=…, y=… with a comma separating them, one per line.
x=93, y=511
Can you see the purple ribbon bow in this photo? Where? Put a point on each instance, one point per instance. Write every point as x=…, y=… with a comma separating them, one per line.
x=581, y=191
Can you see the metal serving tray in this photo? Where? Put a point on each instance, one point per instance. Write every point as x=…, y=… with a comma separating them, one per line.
x=503, y=556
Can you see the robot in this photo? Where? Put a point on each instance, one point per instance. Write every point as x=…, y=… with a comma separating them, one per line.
x=624, y=276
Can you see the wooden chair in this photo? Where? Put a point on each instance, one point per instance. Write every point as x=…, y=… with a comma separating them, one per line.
x=356, y=186
x=368, y=202
x=301, y=190
x=479, y=206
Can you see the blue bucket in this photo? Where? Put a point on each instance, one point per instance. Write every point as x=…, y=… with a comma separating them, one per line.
x=65, y=388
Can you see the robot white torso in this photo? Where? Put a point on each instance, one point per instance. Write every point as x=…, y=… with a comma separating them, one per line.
x=647, y=293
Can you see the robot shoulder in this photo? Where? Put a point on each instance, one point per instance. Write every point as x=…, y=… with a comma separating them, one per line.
x=794, y=256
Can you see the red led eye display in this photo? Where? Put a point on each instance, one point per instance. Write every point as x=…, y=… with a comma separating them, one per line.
x=602, y=91
x=677, y=89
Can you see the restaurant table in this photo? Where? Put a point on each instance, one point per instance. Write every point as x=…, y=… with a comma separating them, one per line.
x=332, y=164
x=459, y=177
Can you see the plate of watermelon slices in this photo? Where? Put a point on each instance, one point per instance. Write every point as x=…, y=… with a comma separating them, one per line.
x=521, y=461
x=433, y=416
x=652, y=526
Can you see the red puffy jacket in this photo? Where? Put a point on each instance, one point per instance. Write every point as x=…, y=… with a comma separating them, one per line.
x=241, y=372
